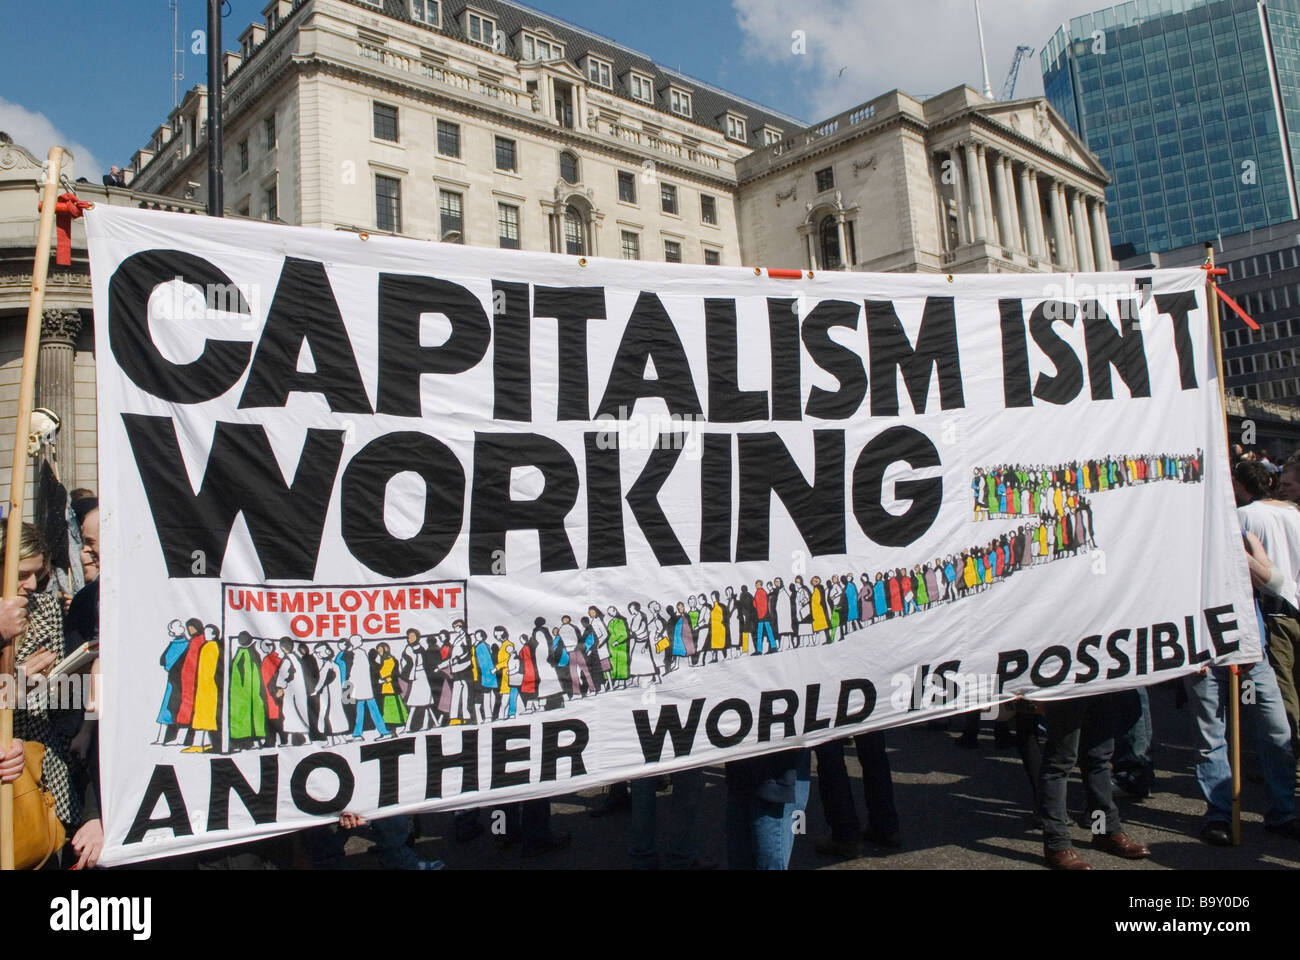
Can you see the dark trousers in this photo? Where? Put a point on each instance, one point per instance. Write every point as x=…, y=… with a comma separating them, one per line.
x=1079, y=731
x=1031, y=754
x=837, y=792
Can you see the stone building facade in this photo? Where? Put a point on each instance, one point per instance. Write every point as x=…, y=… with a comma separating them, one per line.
x=490, y=124
x=486, y=124
x=953, y=184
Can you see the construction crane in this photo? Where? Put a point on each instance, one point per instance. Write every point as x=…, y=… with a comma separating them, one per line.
x=1009, y=87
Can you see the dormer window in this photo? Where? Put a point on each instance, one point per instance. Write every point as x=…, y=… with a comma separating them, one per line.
x=642, y=87
x=771, y=135
x=679, y=101
x=425, y=12
x=736, y=128
x=479, y=29
x=275, y=12
x=600, y=73
x=539, y=48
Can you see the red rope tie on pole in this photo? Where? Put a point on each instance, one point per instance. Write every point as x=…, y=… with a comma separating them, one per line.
x=66, y=209
x=1245, y=317
x=1221, y=272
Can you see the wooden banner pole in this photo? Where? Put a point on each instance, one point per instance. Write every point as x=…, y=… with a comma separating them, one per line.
x=18, y=475
x=1234, y=681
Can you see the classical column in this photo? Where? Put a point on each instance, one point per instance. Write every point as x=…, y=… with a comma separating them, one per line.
x=1034, y=215
x=982, y=162
x=1033, y=246
x=1017, y=231
x=976, y=199
x=959, y=192
x=1082, y=238
x=812, y=248
x=844, y=239
x=1060, y=229
x=1100, y=235
x=55, y=387
x=1006, y=230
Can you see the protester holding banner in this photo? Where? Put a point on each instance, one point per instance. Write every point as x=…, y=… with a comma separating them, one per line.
x=38, y=618
x=1263, y=713
x=1277, y=525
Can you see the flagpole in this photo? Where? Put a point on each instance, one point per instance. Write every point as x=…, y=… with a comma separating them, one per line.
x=1234, y=681
x=18, y=475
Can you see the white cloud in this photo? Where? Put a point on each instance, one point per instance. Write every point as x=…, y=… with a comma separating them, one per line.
x=859, y=49
x=35, y=132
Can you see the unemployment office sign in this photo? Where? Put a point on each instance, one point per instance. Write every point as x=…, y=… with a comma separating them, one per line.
x=393, y=526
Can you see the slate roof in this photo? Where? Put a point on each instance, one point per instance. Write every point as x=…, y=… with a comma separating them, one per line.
x=709, y=104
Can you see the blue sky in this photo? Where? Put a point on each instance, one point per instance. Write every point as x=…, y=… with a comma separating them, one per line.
x=104, y=98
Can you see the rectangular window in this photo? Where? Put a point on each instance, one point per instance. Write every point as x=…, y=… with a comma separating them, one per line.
x=448, y=138
x=271, y=205
x=712, y=257
x=708, y=209
x=388, y=204
x=505, y=154
x=626, y=187
x=672, y=251
x=425, y=12
x=243, y=156
x=735, y=128
x=599, y=72
x=668, y=198
x=680, y=102
x=825, y=179
x=451, y=216
x=631, y=246
x=385, y=122
x=268, y=125
x=535, y=48
x=508, y=226
x=479, y=28
x=771, y=136
x=642, y=88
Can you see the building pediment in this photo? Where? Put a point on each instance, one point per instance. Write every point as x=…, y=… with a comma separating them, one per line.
x=566, y=68
x=1035, y=119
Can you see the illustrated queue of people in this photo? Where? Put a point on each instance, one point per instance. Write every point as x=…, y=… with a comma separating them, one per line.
x=1014, y=490
x=287, y=692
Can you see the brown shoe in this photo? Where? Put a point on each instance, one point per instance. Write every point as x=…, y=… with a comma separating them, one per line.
x=1121, y=845
x=1066, y=859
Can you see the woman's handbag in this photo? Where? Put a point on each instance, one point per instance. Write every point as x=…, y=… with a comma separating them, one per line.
x=38, y=833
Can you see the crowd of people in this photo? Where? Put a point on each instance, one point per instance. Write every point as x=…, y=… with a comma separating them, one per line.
x=283, y=692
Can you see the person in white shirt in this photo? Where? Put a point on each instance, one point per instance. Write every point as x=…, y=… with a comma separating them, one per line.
x=1277, y=525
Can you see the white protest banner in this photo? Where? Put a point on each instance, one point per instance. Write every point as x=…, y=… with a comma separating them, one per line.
x=393, y=526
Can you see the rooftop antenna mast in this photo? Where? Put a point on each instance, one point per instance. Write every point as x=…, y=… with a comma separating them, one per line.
x=984, y=61
x=178, y=53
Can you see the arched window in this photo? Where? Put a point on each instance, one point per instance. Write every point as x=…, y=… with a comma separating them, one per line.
x=568, y=167
x=829, y=232
x=574, y=232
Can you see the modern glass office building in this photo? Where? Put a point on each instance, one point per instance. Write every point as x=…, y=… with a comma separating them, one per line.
x=1193, y=106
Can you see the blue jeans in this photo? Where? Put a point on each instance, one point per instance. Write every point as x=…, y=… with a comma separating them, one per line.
x=760, y=833
x=1266, y=717
x=375, y=716
x=683, y=821
x=764, y=626
x=1132, y=762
